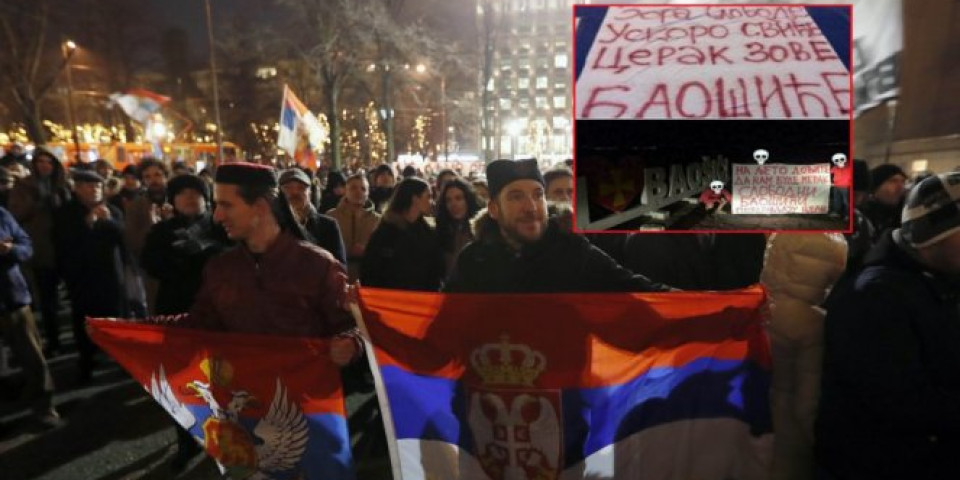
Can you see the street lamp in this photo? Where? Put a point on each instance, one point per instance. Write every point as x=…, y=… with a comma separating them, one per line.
x=68, y=48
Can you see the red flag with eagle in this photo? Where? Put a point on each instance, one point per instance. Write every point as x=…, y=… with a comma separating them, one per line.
x=264, y=407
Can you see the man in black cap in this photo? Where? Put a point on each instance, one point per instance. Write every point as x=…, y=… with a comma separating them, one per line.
x=890, y=405
x=274, y=282
x=518, y=250
x=323, y=230
x=888, y=187
x=92, y=259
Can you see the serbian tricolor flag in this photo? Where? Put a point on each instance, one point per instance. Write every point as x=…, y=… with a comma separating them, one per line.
x=573, y=386
x=139, y=104
x=300, y=132
x=262, y=406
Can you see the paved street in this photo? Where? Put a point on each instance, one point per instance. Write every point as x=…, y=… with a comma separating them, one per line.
x=111, y=430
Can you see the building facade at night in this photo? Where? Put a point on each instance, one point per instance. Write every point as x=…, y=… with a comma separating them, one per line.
x=530, y=85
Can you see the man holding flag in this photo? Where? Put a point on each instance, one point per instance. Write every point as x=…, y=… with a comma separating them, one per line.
x=268, y=323
x=259, y=287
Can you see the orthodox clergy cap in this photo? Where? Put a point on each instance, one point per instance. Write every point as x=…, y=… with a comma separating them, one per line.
x=294, y=174
x=501, y=173
x=246, y=174
x=86, y=176
x=932, y=210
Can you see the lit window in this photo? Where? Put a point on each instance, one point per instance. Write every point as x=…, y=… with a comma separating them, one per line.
x=559, y=102
x=504, y=104
x=541, y=82
x=523, y=82
x=266, y=72
x=560, y=60
x=541, y=102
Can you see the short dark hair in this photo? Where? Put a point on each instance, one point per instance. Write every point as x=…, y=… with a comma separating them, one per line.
x=149, y=162
x=250, y=193
x=403, y=194
x=555, y=173
x=357, y=176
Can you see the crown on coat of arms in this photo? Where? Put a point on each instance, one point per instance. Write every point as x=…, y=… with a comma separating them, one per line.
x=505, y=363
x=217, y=370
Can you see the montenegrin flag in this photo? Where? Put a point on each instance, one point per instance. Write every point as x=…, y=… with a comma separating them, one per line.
x=262, y=406
x=573, y=386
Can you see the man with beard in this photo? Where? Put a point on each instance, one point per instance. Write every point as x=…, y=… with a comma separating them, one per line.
x=145, y=211
x=323, y=230
x=518, y=250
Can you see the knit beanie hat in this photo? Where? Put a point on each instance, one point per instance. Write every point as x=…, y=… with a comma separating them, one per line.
x=932, y=211
x=882, y=173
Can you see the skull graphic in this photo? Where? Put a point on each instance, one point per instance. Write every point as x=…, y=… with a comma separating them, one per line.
x=716, y=186
x=761, y=156
x=839, y=159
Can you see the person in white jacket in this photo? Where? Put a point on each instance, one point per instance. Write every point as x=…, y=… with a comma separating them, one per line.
x=798, y=272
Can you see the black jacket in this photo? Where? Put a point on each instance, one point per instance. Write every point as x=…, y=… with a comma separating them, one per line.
x=174, y=253
x=403, y=256
x=559, y=262
x=890, y=403
x=92, y=260
x=325, y=233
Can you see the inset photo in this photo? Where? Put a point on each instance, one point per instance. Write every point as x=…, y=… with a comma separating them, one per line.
x=661, y=62
x=713, y=175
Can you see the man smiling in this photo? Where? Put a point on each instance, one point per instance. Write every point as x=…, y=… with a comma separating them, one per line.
x=517, y=249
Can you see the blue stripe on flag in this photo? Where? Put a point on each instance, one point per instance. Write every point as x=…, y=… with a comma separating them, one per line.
x=288, y=117
x=431, y=408
x=589, y=20
x=327, y=454
x=834, y=22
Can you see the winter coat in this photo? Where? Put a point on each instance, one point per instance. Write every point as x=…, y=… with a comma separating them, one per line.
x=380, y=196
x=403, y=256
x=798, y=271
x=560, y=262
x=93, y=260
x=34, y=211
x=14, y=292
x=174, y=253
x=356, y=228
x=890, y=406
x=294, y=288
x=458, y=235
x=882, y=216
x=325, y=233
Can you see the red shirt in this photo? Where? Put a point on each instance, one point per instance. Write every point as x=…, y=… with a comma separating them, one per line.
x=842, y=177
x=709, y=198
x=294, y=288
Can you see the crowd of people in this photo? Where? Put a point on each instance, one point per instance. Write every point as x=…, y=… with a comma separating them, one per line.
x=863, y=328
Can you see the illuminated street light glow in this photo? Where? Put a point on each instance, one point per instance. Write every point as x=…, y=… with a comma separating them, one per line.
x=421, y=68
x=70, y=44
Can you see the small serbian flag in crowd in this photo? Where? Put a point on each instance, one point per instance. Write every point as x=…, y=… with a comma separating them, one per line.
x=573, y=386
x=300, y=131
x=139, y=104
x=261, y=406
